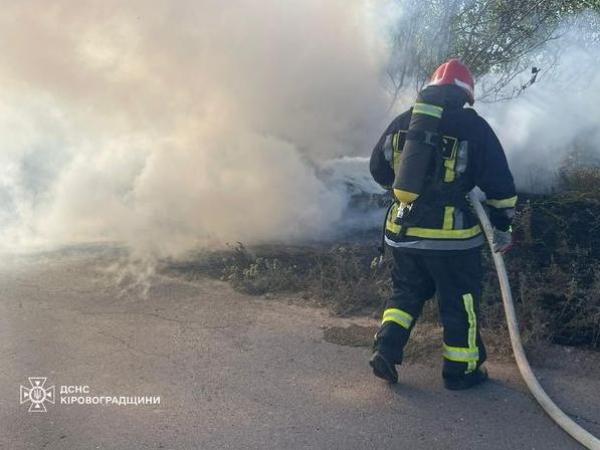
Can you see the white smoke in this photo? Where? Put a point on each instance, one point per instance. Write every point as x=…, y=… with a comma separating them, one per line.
x=540, y=128
x=172, y=124
x=169, y=125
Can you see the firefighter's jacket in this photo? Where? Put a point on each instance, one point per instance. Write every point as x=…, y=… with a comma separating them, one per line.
x=441, y=218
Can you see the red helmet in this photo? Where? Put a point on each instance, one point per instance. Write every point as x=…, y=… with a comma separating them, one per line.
x=455, y=72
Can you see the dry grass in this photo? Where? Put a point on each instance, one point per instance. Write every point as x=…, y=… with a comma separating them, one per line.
x=340, y=277
x=557, y=302
x=554, y=271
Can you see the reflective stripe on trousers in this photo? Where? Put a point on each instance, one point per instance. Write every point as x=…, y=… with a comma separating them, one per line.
x=470, y=354
x=397, y=316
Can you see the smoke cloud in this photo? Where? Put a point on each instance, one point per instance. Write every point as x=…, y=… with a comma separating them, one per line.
x=169, y=125
x=559, y=114
x=172, y=125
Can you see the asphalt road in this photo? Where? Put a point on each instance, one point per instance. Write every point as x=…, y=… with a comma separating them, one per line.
x=233, y=371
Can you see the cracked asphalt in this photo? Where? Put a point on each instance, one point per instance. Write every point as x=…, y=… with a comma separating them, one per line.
x=235, y=372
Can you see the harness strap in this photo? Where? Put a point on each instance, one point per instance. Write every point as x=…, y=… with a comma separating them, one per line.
x=431, y=138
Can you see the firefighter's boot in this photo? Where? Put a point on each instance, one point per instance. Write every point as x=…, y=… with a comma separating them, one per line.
x=469, y=380
x=383, y=367
x=387, y=351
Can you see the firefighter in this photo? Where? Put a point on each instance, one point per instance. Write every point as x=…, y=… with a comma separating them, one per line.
x=431, y=156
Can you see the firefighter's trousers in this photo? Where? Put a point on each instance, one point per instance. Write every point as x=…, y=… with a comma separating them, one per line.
x=455, y=279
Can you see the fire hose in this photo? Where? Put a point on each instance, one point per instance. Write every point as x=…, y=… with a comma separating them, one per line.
x=578, y=433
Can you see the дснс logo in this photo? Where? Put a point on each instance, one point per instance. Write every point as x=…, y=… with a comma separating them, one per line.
x=37, y=394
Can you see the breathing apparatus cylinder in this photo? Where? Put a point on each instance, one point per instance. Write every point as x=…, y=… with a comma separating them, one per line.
x=421, y=143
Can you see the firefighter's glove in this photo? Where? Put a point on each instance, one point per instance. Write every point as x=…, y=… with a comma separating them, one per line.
x=502, y=241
